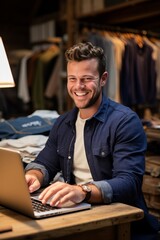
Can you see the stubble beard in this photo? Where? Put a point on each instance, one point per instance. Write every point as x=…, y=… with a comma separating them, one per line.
x=91, y=102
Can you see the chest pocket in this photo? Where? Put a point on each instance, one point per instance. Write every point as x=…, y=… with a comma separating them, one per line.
x=102, y=152
x=63, y=157
x=61, y=152
x=103, y=161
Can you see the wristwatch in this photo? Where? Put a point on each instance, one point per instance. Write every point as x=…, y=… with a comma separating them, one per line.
x=87, y=189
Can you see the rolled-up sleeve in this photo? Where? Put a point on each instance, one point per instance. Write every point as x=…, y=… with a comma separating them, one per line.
x=105, y=189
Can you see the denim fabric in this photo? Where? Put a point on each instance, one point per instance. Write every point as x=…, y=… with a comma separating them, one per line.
x=23, y=126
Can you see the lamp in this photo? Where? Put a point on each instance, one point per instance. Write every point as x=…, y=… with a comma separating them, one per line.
x=6, y=78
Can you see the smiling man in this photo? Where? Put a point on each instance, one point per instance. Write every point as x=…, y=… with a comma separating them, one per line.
x=99, y=146
x=85, y=85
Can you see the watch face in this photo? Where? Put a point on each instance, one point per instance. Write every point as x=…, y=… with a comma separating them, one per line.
x=86, y=188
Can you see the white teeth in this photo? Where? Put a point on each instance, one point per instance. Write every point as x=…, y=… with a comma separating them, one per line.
x=80, y=94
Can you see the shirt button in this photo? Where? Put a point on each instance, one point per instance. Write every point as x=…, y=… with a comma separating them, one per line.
x=102, y=154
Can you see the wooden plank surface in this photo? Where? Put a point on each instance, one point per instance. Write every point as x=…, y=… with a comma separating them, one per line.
x=99, y=217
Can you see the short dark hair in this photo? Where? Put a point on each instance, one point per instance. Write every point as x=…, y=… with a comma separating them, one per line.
x=86, y=51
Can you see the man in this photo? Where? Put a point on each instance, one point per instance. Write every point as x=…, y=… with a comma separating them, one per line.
x=99, y=146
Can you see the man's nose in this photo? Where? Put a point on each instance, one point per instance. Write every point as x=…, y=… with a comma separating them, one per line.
x=80, y=83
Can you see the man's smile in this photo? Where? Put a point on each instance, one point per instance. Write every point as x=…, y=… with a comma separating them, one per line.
x=80, y=94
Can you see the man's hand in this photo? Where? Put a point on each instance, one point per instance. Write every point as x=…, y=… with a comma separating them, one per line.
x=61, y=193
x=34, y=179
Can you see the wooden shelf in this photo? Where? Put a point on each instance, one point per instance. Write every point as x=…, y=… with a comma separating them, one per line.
x=129, y=13
x=113, y=8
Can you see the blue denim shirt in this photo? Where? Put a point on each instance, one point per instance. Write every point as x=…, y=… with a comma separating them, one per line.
x=115, y=144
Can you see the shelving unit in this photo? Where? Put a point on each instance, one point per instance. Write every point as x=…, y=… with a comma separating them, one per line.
x=151, y=181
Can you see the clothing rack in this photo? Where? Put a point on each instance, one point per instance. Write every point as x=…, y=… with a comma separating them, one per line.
x=117, y=29
x=47, y=42
x=98, y=34
x=44, y=44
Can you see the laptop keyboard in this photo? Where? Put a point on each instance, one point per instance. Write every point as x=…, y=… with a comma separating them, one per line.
x=39, y=207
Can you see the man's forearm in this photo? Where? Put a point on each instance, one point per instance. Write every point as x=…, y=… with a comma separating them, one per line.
x=105, y=189
x=96, y=195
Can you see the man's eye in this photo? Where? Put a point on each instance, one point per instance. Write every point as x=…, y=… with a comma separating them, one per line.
x=87, y=79
x=72, y=79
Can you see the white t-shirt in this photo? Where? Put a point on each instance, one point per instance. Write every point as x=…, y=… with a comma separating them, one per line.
x=81, y=169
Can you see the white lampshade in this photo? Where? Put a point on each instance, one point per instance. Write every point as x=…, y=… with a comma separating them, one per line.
x=6, y=78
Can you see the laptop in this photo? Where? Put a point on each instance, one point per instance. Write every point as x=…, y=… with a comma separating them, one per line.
x=14, y=193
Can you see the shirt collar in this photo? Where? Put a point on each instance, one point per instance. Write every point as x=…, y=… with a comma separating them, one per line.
x=99, y=115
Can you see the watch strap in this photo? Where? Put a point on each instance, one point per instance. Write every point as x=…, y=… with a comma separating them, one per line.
x=85, y=188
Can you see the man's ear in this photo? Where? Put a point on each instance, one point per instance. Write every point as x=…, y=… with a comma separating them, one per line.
x=104, y=78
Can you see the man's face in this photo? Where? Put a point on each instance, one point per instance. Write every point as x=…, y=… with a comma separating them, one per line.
x=84, y=83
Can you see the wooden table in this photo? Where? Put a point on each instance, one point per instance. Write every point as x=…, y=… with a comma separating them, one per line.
x=111, y=220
